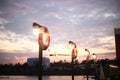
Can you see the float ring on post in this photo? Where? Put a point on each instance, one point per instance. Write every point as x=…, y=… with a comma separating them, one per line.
x=44, y=33
x=74, y=53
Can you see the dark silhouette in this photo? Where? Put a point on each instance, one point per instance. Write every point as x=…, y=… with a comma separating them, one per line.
x=62, y=68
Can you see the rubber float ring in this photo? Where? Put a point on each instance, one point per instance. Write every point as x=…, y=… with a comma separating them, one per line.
x=43, y=45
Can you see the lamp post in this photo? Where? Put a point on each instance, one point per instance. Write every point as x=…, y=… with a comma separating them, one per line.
x=94, y=57
x=95, y=66
x=87, y=59
x=88, y=55
x=43, y=41
x=73, y=56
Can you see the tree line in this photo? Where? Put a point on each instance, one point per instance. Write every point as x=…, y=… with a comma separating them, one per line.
x=56, y=68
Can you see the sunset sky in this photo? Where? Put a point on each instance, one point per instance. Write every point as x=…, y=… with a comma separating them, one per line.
x=88, y=23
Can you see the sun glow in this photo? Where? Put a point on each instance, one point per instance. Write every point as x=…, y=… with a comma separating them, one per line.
x=36, y=31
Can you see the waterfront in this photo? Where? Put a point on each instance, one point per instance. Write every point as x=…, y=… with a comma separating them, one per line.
x=43, y=78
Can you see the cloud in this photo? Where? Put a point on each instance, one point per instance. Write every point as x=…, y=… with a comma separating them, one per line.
x=15, y=57
x=108, y=55
x=13, y=42
x=16, y=9
x=107, y=15
x=2, y=22
x=90, y=26
x=85, y=16
x=25, y=8
x=19, y=59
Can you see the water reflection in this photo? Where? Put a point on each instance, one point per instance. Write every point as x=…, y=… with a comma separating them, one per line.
x=43, y=78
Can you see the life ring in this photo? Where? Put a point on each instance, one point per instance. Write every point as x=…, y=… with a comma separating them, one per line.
x=44, y=38
x=74, y=53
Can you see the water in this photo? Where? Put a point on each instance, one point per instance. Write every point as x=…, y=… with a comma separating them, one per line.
x=43, y=78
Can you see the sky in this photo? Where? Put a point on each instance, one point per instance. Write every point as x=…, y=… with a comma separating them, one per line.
x=88, y=23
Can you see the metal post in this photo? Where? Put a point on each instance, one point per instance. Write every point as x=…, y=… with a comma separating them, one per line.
x=87, y=77
x=42, y=46
x=95, y=72
x=72, y=68
x=40, y=64
x=73, y=56
x=87, y=72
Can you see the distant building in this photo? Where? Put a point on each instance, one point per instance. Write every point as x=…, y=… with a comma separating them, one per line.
x=117, y=42
x=33, y=61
